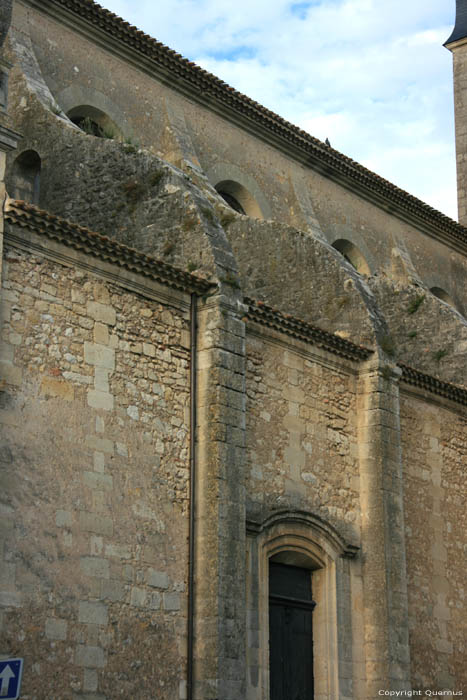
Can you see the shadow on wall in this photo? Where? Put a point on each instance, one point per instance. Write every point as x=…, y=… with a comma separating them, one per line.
x=94, y=122
x=23, y=181
x=239, y=199
x=353, y=255
x=443, y=295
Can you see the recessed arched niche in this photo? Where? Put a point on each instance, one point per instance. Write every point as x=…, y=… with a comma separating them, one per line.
x=23, y=181
x=95, y=122
x=353, y=255
x=239, y=198
x=443, y=295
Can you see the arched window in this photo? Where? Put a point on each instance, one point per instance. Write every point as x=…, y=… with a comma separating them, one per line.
x=24, y=179
x=238, y=198
x=443, y=295
x=353, y=255
x=94, y=122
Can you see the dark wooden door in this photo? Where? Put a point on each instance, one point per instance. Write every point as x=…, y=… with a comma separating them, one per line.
x=290, y=633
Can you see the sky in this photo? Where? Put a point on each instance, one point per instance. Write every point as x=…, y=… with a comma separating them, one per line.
x=370, y=75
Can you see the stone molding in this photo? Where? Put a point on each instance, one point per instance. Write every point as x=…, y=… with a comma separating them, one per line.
x=108, y=250
x=261, y=313
x=298, y=517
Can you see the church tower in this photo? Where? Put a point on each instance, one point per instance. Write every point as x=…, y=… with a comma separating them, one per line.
x=457, y=44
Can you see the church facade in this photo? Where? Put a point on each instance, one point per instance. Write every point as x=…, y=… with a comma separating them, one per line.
x=233, y=388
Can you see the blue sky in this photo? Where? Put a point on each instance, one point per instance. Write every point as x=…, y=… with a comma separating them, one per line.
x=370, y=75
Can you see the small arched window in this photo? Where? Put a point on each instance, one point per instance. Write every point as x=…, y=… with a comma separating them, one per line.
x=94, y=122
x=238, y=198
x=353, y=255
x=443, y=295
x=24, y=180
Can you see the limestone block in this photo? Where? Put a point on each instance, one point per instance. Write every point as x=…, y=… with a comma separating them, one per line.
x=100, y=400
x=10, y=374
x=101, y=334
x=112, y=590
x=54, y=387
x=100, y=524
x=91, y=657
x=9, y=599
x=157, y=579
x=95, y=566
x=55, y=628
x=99, y=355
x=63, y=518
x=101, y=379
x=149, y=349
x=90, y=680
x=98, y=481
x=99, y=462
x=138, y=597
x=92, y=613
x=101, y=312
x=100, y=444
x=171, y=601
x=118, y=550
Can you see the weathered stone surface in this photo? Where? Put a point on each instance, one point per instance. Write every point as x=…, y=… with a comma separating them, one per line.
x=302, y=443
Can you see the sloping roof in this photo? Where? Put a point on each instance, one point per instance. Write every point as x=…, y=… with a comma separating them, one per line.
x=81, y=238
x=210, y=90
x=433, y=385
x=302, y=330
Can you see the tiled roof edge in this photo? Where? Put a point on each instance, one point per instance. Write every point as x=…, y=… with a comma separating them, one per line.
x=267, y=316
x=435, y=386
x=81, y=238
x=209, y=85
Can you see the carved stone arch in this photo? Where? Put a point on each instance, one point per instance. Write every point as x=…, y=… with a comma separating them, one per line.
x=306, y=541
x=231, y=180
x=76, y=97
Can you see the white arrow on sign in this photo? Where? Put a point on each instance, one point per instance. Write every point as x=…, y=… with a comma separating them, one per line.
x=5, y=676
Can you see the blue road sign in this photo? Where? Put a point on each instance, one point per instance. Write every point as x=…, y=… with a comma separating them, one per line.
x=11, y=671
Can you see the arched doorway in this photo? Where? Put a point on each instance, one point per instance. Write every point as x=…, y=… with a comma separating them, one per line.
x=315, y=572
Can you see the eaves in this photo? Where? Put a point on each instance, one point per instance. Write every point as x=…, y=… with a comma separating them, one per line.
x=165, y=65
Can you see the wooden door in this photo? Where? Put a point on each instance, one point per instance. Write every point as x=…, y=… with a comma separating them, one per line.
x=290, y=633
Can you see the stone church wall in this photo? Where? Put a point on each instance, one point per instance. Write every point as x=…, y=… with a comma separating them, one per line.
x=434, y=447
x=94, y=494
x=301, y=435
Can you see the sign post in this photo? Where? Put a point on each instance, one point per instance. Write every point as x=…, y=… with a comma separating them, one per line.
x=11, y=671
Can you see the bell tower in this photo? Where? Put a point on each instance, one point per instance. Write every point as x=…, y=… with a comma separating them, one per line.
x=457, y=44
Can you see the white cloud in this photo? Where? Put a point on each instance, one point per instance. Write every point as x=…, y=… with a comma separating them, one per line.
x=371, y=75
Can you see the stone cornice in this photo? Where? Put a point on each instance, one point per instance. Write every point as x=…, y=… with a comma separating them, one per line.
x=267, y=316
x=151, y=56
x=8, y=138
x=433, y=385
x=27, y=216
